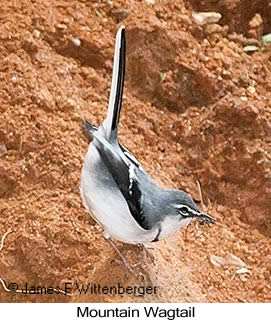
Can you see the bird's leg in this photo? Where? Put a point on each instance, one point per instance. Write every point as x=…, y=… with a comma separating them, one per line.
x=147, y=253
x=124, y=260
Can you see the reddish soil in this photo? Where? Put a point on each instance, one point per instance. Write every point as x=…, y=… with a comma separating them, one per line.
x=196, y=108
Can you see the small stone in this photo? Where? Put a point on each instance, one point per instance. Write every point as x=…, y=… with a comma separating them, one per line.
x=120, y=14
x=256, y=21
x=76, y=42
x=250, y=48
x=256, y=27
x=251, y=89
x=237, y=38
x=243, y=278
x=226, y=75
x=36, y=33
x=70, y=103
x=205, y=18
x=205, y=43
x=243, y=98
x=66, y=20
x=85, y=28
x=242, y=270
x=44, y=98
x=61, y=26
x=213, y=28
x=14, y=79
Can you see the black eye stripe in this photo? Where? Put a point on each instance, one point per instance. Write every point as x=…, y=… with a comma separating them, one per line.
x=186, y=210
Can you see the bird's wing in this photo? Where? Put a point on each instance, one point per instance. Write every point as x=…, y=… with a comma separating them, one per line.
x=110, y=124
x=124, y=173
x=132, y=158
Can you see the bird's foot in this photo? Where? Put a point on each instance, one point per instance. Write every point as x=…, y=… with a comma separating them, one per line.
x=129, y=267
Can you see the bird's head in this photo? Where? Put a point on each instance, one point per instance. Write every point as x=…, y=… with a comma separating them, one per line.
x=186, y=208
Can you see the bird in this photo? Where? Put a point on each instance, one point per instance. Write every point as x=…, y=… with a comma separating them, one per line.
x=117, y=191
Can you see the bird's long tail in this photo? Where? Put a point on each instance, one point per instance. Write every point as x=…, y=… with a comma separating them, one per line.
x=110, y=124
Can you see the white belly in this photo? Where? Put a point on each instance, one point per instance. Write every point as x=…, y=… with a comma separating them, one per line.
x=107, y=204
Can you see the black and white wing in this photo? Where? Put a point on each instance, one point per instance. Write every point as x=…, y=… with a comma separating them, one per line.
x=124, y=174
x=132, y=158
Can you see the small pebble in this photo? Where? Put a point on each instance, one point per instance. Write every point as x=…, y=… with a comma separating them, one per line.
x=251, y=89
x=61, y=26
x=76, y=42
x=14, y=79
x=36, y=33
x=120, y=14
x=213, y=28
x=204, y=18
x=250, y=48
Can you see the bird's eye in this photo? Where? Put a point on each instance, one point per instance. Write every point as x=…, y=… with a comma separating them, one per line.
x=184, y=211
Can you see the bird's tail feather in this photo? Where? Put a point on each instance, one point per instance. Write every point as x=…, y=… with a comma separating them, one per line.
x=112, y=119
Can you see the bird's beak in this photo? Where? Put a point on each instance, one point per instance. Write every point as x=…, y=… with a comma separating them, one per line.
x=206, y=218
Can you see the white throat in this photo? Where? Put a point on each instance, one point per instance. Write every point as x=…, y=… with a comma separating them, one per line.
x=172, y=224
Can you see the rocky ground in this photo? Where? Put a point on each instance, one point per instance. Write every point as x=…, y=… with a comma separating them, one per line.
x=196, y=110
